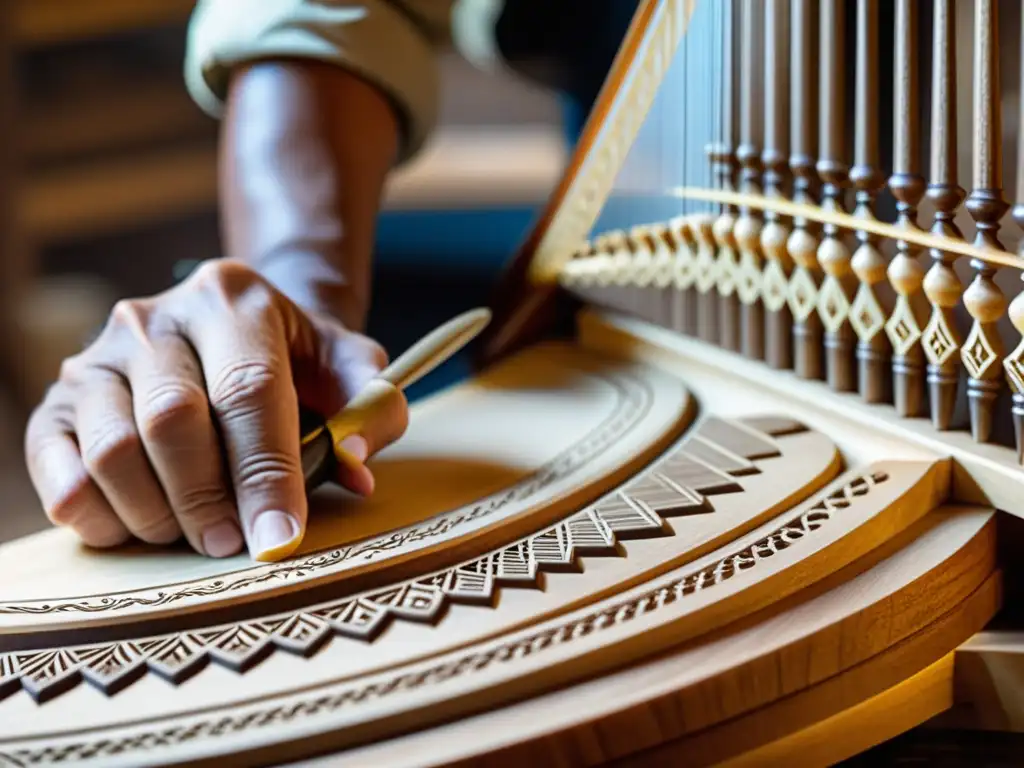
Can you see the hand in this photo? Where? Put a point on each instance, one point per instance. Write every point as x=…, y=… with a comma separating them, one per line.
x=182, y=418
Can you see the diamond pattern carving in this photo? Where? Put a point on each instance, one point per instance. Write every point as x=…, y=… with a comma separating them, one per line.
x=902, y=328
x=1014, y=367
x=977, y=353
x=866, y=314
x=706, y=270
x=685, y=268
x=727, y=269
x=803, y=294
x=833, y=306
x=748, y=278
x=774, y=286
x=939, y=341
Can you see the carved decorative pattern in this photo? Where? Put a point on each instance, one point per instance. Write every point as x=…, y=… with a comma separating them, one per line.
x=613, y=614
x=705, y=464
x=589, y=189
x=634, y=399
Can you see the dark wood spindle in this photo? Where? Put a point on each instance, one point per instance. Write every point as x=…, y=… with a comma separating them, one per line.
x=748, y=227
x=833, y=255
x=982, y=352
x=908, y=187
x=942, y=340
x=775, y=283
x=867, y=317
x=1014, y=362
x=717, y=318
x=802, y=244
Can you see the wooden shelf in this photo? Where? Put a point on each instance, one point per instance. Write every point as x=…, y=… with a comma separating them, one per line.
x=49, y=22
x=110, y=121
x=89, y=200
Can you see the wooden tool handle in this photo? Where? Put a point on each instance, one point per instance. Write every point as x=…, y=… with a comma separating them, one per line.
x=434, y=348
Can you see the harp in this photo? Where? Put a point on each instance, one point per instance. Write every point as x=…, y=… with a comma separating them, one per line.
x=751, y=510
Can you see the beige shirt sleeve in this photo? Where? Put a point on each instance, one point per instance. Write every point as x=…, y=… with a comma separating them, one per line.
x=373, y=38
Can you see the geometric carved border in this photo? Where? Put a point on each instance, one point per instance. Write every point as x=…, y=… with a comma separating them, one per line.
x=634, y=398
x=709, y=462
x=332, y=698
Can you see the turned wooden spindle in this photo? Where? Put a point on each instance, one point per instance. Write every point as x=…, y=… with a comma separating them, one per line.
x=706, y=241
x=833, y=255
x=1014, y=362
x=644, y=297
x=908, y=187
x=1013, y=365
x=660, y=285
x=775, y=233
x=725, y=328
x=866, y=314
x=982, y=352
x=748, y=227
x=942, y=340
x=802, y=244
x=684, y=273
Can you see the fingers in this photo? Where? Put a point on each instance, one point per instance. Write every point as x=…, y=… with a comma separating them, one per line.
x=183, y=419
x=113, y=454
x=173, y=415
x=245, y=360
x=69, y=496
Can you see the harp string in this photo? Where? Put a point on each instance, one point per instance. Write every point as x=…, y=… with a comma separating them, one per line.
x=775, y=202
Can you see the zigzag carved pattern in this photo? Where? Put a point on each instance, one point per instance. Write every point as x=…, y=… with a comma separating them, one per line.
x=705, y=465
x=322, y=702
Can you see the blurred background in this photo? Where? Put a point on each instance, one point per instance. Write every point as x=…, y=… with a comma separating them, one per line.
x=108, y=189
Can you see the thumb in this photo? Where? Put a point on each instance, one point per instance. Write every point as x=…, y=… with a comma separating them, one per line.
x=372, y=420
x=342, y=364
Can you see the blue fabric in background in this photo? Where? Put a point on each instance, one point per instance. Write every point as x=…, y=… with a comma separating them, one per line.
x=431, y=265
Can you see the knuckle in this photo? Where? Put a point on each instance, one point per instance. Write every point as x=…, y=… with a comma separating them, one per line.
x=128, y=313
x=266, y=471
x=72, y=368
x=201, y=501
x=224, y=276
x=375, y=354
x=243, y=386
x=113, y=447
x=71, y=506
x=157, y=529
x=171, y=406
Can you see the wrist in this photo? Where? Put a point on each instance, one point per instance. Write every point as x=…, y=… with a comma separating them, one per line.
x=317, y=286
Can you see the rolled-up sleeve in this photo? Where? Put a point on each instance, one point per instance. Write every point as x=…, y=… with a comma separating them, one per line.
x=374, y=39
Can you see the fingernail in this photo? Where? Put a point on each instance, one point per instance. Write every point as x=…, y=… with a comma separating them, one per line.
x=275, y=535
x=222, y=539
x=355, y=446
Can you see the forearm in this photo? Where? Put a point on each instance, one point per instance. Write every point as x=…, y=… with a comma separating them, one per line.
x=305, y=150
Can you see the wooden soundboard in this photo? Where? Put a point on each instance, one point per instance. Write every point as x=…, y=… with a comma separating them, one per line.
x=673, y=538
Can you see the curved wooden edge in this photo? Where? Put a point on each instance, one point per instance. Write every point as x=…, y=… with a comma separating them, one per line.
x=657, y=705
x=523, y=309
x=874, y=701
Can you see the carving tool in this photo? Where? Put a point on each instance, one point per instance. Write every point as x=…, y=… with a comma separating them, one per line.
x=319, y=436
